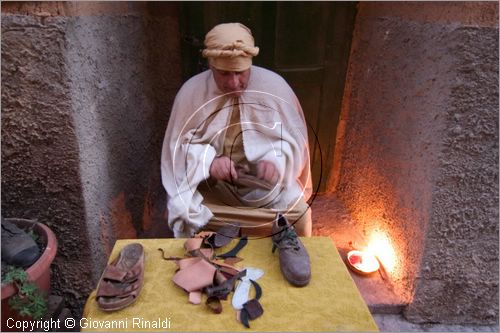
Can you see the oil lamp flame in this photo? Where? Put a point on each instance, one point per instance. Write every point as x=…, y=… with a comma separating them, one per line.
x=379, y=252
x=381, y=247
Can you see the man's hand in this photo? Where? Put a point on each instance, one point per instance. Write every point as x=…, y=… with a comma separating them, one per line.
x=267, y=171
x=223, y=168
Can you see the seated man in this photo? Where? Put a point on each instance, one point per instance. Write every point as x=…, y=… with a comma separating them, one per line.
x=236, y=149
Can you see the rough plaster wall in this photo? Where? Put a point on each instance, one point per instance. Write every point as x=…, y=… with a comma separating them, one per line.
x=85, y=103
x=396, y=143
x=40, y=162
x=459, y=278
x=390, y=145
x=125, y=72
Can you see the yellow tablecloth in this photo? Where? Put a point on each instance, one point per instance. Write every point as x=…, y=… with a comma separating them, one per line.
x=331, y=301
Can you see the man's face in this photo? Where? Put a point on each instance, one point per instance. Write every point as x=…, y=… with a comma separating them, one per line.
x=231, y=82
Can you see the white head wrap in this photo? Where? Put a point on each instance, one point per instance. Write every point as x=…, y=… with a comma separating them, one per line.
x=230, y=47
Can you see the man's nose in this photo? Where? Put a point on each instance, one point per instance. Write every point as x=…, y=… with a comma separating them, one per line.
x=233, y=81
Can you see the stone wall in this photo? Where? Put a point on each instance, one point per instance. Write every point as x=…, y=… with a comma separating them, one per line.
x=125, y=71
x=460, y=263
x=40, y=160
x=86, y=94
x=417, y=151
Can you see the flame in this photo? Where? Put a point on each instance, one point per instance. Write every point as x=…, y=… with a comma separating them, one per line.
x=381, y=246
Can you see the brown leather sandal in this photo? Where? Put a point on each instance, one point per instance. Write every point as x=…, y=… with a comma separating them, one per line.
x=122, y=280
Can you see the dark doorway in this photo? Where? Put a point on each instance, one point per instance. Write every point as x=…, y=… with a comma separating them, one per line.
x=308, y=43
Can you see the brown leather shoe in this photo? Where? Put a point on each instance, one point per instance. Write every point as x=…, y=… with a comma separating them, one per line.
x=294, y=259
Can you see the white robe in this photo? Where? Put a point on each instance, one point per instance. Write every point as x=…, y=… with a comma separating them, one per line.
x=273, y=129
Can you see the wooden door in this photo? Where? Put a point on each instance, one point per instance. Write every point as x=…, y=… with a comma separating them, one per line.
x=307, y=43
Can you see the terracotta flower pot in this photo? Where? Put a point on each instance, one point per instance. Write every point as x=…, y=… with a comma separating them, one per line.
x=38, y=273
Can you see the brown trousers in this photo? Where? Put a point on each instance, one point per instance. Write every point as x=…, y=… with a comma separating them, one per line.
x=227, y=207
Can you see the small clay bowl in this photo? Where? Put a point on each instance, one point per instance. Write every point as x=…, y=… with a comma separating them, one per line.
x=363, y=263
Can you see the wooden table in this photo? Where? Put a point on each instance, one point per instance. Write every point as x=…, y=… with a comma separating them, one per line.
x=331, y=301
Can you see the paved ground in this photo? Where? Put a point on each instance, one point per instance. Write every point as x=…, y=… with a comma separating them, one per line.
x=397, y=323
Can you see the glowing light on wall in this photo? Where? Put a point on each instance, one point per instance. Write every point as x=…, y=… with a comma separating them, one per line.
x=381, y=246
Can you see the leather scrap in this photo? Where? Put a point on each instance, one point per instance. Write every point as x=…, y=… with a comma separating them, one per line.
x=221, y=291
x=208, y=253
x=244, y=318
x=234, y=251
x=196, y=276
x=232, y=260
x=201, y=270
x=213, y=303
x=193, y=244
x=168, y=258
x=226, y=268
x=258, y=289
x=242, y=291
x=195, y=297
x=253, y=308
x=225, y=235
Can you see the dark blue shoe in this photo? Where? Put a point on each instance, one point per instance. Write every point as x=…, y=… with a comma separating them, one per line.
x=18, y=248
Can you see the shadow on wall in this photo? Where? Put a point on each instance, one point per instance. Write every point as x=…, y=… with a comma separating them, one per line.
x=125, y=75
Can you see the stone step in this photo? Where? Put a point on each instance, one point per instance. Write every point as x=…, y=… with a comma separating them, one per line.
x=376, y=291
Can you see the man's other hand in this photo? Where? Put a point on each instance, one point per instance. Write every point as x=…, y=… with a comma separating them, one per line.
x=268, y=172
x=223, y=168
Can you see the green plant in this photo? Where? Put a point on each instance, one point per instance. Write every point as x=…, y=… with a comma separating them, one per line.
x=29, y=300
x=33, y=235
